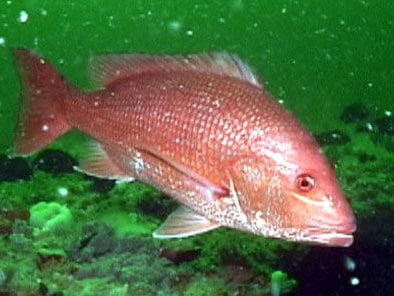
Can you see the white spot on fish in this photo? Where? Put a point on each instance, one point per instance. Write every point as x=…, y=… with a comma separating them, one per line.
x=137, y=162
x=216, y=103
x=23, y=16
x=45, y=127
x=95, y=104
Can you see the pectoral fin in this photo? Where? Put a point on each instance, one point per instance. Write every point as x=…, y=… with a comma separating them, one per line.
x=98, y=163
x=184, y=222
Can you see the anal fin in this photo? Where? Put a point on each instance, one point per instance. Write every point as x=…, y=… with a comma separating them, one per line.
x=184, y=222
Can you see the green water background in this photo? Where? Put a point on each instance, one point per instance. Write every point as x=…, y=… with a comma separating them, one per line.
x=317, y=56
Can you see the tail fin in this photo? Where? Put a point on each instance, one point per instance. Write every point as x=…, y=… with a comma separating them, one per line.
x=42, y=114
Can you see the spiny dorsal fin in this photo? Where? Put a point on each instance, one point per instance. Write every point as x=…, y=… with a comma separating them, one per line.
x=107, y=68
x=184, y=222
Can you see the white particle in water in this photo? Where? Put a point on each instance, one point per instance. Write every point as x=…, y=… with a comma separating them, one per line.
x=349, y=263
x=189, y=32
x=283, y=10
x=23, y=16
x=62, y=191
x=369, y=126
x=354, y=281
x=174, y=26
x=2, y=41
x=370, y=84
x=387, y=113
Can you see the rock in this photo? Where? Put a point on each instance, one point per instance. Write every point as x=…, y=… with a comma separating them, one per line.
x=335, y=138
x=14, y=169
x=356, y=112
x=55, y=162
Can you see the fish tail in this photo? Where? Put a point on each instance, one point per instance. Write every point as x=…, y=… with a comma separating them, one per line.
x=42, y=116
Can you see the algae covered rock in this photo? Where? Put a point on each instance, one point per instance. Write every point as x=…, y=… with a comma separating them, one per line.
x=50, y=216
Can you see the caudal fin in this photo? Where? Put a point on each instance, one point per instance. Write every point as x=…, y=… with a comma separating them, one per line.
x=42, y=115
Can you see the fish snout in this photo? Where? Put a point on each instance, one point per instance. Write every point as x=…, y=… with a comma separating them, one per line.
x=334, y=226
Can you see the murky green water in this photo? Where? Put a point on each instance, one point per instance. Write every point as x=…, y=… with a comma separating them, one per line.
x=318, y=57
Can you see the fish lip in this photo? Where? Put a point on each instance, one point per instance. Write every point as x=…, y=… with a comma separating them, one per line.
x=333, y=239
x=340, y=235
x=348, y=226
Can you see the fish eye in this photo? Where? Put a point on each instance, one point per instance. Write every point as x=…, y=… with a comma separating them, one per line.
x=305, y=182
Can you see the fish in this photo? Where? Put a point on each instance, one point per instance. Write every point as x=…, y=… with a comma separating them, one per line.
x=200, y=128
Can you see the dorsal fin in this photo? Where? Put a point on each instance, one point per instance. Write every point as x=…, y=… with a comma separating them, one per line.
x=107, y=68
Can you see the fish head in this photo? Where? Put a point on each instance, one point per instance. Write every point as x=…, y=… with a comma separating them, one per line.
x=290, y=191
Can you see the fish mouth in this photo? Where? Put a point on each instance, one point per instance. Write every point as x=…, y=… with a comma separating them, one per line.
x=334, y=237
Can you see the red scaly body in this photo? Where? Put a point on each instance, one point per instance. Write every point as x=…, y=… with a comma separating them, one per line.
x=200, y=128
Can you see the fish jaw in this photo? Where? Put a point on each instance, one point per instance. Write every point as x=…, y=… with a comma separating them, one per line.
x=335, y=235
x=333, y=227
x=325, y=221
x=328, y=237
